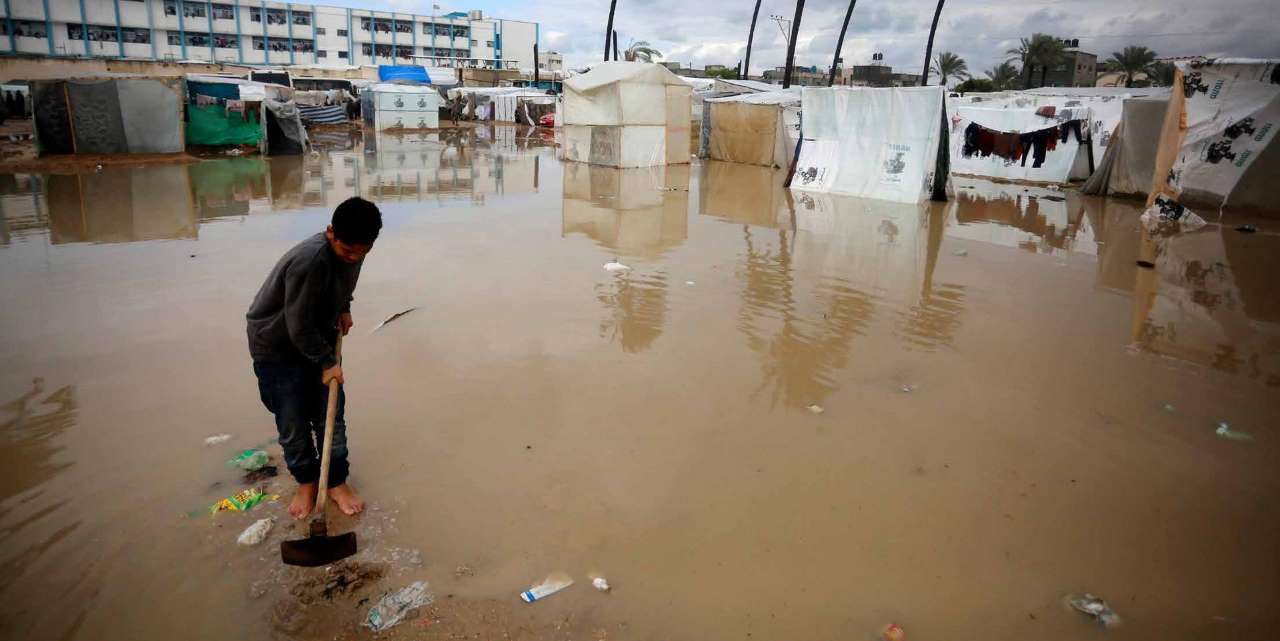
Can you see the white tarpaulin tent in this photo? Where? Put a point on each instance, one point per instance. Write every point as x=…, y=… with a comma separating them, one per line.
x=627, y=114
x=1020, y=144
x=1129, y=162
x=884, y=143
x=753, y=128
x=1216, y=144
x=394, y=106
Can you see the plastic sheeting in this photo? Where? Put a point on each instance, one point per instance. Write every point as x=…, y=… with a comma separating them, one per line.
x=1215, y=147
x=403, y=73
x=285, y=132
x=212, y=125
x=330, y=115
x=1058, y=163
x=1127, y=166
x=152, y=115
x=52, y=117
x=882, y=143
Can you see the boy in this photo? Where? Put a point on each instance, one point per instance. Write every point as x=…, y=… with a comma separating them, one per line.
x=293, y=325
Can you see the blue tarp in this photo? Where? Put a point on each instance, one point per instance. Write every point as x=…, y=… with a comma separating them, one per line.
x=409, y=73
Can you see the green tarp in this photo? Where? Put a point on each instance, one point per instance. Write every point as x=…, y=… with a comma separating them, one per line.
x=211, y=125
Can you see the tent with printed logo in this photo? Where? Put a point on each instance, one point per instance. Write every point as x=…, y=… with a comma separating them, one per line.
x=882, y=143
x=627, y=114
x=1217, y=142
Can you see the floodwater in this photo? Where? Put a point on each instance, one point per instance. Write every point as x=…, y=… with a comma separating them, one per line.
x=1012, y=409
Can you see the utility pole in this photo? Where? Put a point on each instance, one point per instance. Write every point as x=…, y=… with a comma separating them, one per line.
x=746, y=64
x=784, y=25
x=791, y=44
x=840, y=42
x=608, y=29
x=928, y=50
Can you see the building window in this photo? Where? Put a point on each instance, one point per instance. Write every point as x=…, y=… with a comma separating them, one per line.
x=321, y=53
x=193, y=39
x=364, y=24
x=303, y=46
x=302, y=18
x=319, y=31
x=224, y=12
x=382, y=51
x=473, y=43
x=488, y=43
x=382, y=25
x=136, y=36
x=189, y=9
x=29, y=29
x=460, y=53
x=97, y=33
x=404, y=27
x=223, y=41
x=344, y=55
x=170, y=7
x=276, y=16
x=366, y=49
x=460, y=32
x=255, y=14
x=342, y=33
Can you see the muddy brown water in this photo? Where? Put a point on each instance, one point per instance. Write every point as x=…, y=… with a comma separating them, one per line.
x=1012, y=409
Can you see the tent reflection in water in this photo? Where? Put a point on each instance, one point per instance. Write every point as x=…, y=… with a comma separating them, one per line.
x=121, y=204
x=627, y=114
x=745, y=194
x=636, y=216
x=882, y=143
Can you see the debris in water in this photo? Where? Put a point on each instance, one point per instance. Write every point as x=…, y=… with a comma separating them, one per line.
x=816, y=409
x=960, y=252
x=615, y=267
x=894, y=632
x=338, y=581
x=549, y=586
x=463, y=570
x=256, y=533
x=1146, y=264
x=1170, y=408
x=250, y=460
x=215, y=440
x=235, y=151
x=242, y=501
x=600, y=584
x=907, y=389
x=1224, y=430
x=393, y=317
x=1247, y=229
x=690, y=283
x=261, y=474
x=393, y=607
x=1096, y=608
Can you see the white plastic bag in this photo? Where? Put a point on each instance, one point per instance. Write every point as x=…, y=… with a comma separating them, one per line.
x=393, y=607
x=256, y=533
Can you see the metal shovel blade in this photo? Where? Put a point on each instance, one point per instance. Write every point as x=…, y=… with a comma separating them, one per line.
x=318, y=549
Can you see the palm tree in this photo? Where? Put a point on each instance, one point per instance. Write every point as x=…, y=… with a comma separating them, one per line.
x=1003, y=76
x=1161, y=74
x=641, y=51
x=928, y=48
x=1131, y=62
x=1040, y=50
x=608, y=29
x=949, y=65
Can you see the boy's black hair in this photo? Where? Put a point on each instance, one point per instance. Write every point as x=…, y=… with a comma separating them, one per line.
x=357, y=222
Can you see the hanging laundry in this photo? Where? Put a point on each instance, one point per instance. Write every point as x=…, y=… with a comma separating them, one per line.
x=1048, y=111
x=235, y=106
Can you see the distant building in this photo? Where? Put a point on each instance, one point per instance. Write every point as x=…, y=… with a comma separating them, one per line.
x=261, y=32
x=800, y=76
x=550, y=61
x=1077, y=69
x=709, y=71
x=876, y=76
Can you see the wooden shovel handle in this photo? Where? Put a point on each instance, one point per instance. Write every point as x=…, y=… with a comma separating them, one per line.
x=330, y=415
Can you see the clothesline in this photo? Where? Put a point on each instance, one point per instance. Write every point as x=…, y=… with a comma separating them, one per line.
x=1017, y=146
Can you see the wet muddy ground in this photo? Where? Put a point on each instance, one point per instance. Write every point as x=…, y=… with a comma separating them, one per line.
x=795, y=417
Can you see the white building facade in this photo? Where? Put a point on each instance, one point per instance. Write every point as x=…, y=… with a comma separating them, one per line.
x=265, y=33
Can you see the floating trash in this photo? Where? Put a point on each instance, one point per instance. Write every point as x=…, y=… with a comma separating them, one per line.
x=393, y=317
x=548, y=586
x=615, y=267
x=393, y=607
x=1096, y=608
x=816, y=409
x=256, y=533
x=1224, y=430
x=600, y=584
x=215, y=440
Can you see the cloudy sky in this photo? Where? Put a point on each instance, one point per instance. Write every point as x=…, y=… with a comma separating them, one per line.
x=700, y=32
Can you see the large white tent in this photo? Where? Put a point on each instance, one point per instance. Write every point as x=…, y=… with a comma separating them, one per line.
x=627, y=114
x=883, y=143
x=753, y=128
x=1216, y=144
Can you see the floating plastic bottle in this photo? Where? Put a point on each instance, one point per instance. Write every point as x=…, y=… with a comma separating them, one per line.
x=548, y=587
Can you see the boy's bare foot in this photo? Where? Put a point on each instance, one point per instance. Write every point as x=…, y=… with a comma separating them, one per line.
x=347, y=500
x=303, y=500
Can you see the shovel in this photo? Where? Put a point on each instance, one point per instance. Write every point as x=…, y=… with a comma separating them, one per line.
x=319, y=548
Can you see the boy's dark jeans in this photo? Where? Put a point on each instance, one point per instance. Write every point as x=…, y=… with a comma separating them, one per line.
x=294, y=393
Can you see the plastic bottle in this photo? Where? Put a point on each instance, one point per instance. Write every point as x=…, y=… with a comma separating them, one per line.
x=548, y=587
